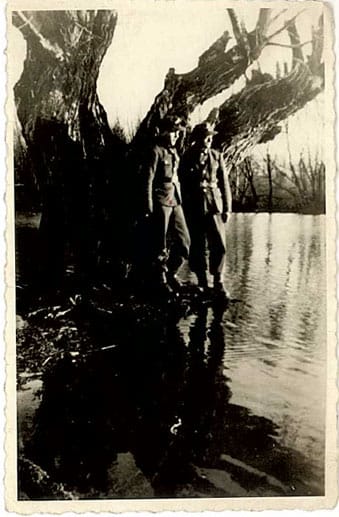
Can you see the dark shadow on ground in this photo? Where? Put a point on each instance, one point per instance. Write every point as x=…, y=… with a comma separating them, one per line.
x=137, y=405
x=134, y=398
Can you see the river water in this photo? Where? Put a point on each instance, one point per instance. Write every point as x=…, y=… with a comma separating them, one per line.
x=275, y=356
x=203, y=401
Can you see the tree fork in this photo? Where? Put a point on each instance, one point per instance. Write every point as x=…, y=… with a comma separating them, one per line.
x=216, y=71
x=253, y=115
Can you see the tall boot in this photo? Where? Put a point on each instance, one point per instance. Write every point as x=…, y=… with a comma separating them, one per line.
x=218, y=285
x=202, y=282
x=174, y=281
x=173, y=276
x=162, y=272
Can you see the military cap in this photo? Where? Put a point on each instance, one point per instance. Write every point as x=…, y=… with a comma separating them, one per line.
x=203, y=130
x=170, y=124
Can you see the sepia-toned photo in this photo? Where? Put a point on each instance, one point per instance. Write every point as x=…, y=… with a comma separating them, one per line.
x=171, y=256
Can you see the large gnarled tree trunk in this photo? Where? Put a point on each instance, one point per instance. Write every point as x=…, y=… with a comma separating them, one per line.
x=66, y=129
x=76, y=157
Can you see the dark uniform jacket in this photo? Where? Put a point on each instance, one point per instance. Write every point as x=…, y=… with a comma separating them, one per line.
x=162, y=182
x=203, y=177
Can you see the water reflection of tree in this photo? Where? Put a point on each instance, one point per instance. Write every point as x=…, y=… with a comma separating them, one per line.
x=165, y=403
x=310, y=281
x=110, y=402
x=240, y=254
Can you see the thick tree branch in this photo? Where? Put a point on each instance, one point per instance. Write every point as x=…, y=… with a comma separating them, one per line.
x=284, y=26
x=253, y=115
x=272, y=44
x=263, y=23
x=64, y=89
x=295, y=43
x=216, y=71
x=69, y=141
x=237, y=31
x=264, y=20
x=215, y=50
x=278, y=15
x=315, y=59
x=28, y=24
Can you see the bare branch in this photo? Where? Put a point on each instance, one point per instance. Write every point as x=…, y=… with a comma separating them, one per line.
x=272, y=20
x=235, y=26
x=285, y=26
x=263, y=20
x=262, y=25
x=217, y=70
x=286, y=189
x=295, y=43
x=245, y=39
x=240, y=32
x=89, y=32
x=55, y=49
x=256, y=112
x=314, y=60
x=216, y=50
x=272, y=44
x=278, y=70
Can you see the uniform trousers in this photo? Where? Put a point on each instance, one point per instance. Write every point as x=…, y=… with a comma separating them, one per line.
x=170, y=219
x=208, y=244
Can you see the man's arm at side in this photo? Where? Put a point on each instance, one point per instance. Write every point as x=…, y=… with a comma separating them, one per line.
x=225, y=187
x=150, y=173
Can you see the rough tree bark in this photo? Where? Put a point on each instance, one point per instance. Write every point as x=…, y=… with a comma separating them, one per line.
x=215, y=72
x=66, y=129
x=58, y=84
x=253, y=115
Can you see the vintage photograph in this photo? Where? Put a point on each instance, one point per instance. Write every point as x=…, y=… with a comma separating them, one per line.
x=172, y=178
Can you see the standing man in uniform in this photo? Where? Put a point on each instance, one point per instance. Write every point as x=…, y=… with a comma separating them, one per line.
x=207, y=202
x=164, y=203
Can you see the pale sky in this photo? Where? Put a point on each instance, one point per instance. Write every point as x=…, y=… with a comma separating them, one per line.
x=150, y=38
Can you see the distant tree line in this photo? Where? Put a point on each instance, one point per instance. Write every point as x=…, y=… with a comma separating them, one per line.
x=269, y=185
x=273, y=186
x=86, y=180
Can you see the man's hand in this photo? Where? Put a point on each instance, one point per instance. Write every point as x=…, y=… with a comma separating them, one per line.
x=225, y=216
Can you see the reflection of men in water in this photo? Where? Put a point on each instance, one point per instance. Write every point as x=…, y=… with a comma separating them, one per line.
x=120, y=400
x=208, y=205
x=164, y=202
x=142, y=420
x=181, y=394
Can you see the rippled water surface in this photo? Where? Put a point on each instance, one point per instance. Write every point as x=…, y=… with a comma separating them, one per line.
x=275, y=337
x=194, y=399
